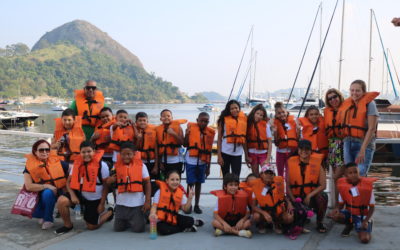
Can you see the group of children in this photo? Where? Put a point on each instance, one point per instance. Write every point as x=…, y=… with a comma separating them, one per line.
x=139, y=160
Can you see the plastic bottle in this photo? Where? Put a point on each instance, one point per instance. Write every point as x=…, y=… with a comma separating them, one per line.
x=77, y=211
x=153, y=228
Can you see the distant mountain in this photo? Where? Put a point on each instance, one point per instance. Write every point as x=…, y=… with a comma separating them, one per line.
x=214, y=96
x=63, y=59
x=83, y=34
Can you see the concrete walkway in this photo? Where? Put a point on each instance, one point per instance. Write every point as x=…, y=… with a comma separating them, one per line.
x=17, y=232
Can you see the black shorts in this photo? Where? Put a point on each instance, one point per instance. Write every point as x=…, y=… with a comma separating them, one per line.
x=232, y=222
x=90, y=214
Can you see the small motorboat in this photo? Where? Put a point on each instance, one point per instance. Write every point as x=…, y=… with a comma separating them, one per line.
x=207, y=108
x=59, y=108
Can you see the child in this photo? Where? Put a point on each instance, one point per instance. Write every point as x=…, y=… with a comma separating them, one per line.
x=313, y=129
x=269, y=196
x=199, y=140
x=121, y=131
x=259, y=138
x=68, y=135
x=356, y=196
x=102, y=137
x=245, y=185
x=146, y=139
x=232, y=126
x=231, y=214
x=285, y=134
x=131, y=178
x=169, y=141
x=86, y=185
x=167, y=202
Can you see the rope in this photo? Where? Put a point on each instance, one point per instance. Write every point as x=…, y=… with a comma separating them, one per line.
x=304, y=54
x=319, y=57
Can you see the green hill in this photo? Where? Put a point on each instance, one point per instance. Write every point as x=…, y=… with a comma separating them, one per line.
x=57, y=69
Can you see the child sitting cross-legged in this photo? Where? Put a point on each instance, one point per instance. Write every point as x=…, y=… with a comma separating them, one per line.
x=231, y=214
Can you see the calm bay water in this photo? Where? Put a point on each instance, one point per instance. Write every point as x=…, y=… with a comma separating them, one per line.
x=45, y=124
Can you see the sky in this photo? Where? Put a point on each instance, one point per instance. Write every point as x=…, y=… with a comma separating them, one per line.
x=197, y=45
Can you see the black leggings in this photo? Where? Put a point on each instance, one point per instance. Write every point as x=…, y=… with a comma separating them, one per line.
x=231, y=162
x=184, y=222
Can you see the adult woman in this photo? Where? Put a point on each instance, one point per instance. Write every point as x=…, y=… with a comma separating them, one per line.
x=333, y=101
x=232, y=126
x=45, y=174
x=307, y=180
x=359, y=122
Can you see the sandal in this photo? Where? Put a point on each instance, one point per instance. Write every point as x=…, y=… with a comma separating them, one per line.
x=321, y=228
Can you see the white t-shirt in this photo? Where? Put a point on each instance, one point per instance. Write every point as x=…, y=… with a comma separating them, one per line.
x=156, y=198
x=171, y=159
x=285, y=150
x=135, y=199
x=228, y=148
x=262, y=151
x=192, y=160
x=99, y=188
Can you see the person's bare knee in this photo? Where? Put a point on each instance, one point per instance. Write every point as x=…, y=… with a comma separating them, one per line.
x=256, y=217
x=63, y=202
x=364, y=237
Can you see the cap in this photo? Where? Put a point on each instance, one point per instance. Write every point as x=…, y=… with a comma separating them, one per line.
x=304, y=144
x=268, y=168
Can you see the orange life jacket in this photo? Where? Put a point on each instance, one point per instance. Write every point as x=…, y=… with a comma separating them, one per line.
x=148, y=145
x=200, y=142
x=103, y=141
x=50, y=172
x=235, y=128
x=167, y=144
x=245, y=187
x=317, y=137
x=84, y=177
x=231, y=206
x=299, y=185
x=357, y=205
x=71, y=147
x=355, y=115
x=169, y=203
x=257, y=135
x=129, y=177
x=272, y=201
x=333, y=123
x=286, y=138
x=89, y=110
x=121, y=135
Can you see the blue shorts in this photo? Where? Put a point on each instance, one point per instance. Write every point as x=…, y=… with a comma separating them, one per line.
x=195, y=173
x=357, y=222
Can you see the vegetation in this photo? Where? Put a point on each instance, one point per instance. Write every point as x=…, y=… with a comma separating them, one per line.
x=59, y=69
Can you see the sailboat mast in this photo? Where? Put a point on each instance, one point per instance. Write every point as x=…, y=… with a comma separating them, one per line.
x=370, y=51
x=255, y=68
x=251, y=66
x=341, y=46
x=320, y=61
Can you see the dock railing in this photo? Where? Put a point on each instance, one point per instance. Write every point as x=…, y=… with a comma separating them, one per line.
x=330, y=188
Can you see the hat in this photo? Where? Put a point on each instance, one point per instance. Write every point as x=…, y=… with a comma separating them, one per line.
x=305, y=144
x=267, y=168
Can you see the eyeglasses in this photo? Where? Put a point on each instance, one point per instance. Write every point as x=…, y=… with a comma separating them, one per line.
x=91, y=88
x=42, y=150
x=332, y=97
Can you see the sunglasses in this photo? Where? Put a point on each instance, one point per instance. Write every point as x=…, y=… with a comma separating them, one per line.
x=42, y=150
x=332, y=97
x=91, y=88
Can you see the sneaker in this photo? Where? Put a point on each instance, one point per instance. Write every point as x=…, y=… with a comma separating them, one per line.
x=306, y=231
x=47, y=225
x=63, y=230
x=191, y=229
x=346, y=231
x=245, y=233
x=218, y=232
x=198, y=222
x=197, y=210
x=40, y=221
x=189, y=211
x=262, y=230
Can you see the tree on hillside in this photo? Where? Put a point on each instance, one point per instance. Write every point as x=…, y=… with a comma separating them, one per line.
x=18, y=49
